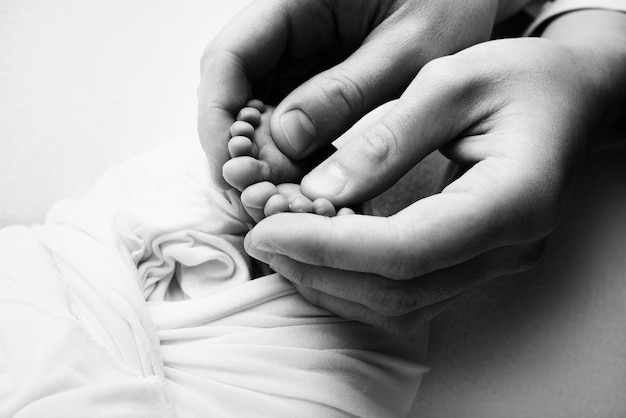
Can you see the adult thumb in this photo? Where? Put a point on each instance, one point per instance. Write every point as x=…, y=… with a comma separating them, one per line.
x=435, y=109
x=325, y=106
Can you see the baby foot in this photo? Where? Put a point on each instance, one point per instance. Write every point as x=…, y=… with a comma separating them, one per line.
x=254, y=156
x=264, y=199
x=265, y=175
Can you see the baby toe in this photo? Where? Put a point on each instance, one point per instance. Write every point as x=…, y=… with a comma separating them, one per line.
x=276, y=204
x=250, y=115
x=240, y=146
x=255, y=197
x=241, y=128
x=323, y=207
x=301, y=204
x=289, y=190
x=257, y=104
x=345, y=211
x=241, y=172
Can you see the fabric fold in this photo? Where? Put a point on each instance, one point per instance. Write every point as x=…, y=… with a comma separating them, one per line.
x=138, y=297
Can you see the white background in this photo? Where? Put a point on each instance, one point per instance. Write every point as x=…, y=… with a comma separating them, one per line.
x=87, y=83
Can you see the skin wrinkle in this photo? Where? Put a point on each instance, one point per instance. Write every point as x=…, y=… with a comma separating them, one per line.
x=480, y=269
x=490, y=221
x=360, y=102
x=343, y=30
x=367, y=102
x=377, y=144
x=336, y=95
x=484, y=110
x=352, y=92
x=328, y=256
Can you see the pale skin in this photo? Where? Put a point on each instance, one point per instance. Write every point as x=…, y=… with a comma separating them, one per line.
x=253, y=152
x=520, y=115
x=325, y=63
x=324, y=31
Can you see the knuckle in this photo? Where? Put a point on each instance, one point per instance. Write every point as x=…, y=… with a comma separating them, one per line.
x=342, y=89
x=450, y=79
x=441, y=71
x=378, y=143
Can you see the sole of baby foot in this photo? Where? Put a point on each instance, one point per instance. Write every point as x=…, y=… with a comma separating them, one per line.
x=254, y=155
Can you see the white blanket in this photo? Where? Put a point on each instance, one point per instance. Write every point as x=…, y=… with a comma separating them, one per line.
x=136, y=301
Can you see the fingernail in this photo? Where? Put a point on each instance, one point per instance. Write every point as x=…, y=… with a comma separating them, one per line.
x=265, y=246
x=255, y=252
x=270, y=262
x=298, y=129
x=328, y=180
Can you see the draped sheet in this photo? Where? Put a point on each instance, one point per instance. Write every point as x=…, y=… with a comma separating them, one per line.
x=137, y=300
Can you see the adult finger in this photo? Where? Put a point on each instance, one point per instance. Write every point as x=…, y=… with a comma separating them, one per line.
x=322, y=108
x=408, y=309
x=486, y=208
x=400, y=40
x=439, y=104
x=244, y=53
x=392, y=297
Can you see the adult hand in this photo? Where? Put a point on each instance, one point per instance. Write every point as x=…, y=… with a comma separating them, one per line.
x=327, y=62
x=517, y=114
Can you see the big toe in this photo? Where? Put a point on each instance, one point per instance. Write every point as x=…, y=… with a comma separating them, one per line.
x=255, y=198
x=241, y=172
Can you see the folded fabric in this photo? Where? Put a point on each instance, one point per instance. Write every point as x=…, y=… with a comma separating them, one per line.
x=137, y=300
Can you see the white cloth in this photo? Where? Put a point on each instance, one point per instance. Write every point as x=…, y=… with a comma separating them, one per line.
x=136, y=301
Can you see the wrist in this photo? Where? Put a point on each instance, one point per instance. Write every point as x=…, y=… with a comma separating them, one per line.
x=597, y=40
